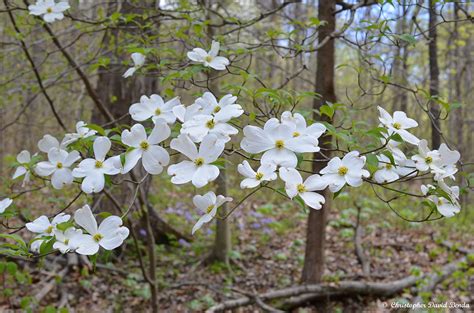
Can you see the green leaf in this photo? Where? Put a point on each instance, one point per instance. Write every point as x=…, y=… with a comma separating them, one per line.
x=372, y=162
x=389, y=156
x=97, y=128
x=327, y=110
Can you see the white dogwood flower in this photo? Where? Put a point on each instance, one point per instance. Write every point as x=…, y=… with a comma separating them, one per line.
x=58, y=165
x=222, y=110
x=212, y=118
x=65, y=239
x=198, y=169
x=444, y=206
x=23, y=158
x=350, y=170
x=295, y=186
x=4, y=204
x=399, y=124
x=44, y=227
x=387, y=172
x=278, y=143
x=138, y=61
x=82, y=131
x=209, y=59
x=426, y=159
x=94, y=169
x=315, y=130
x=50, y=10
x=154, y=107
x=208, y=203
x=266, y=172
x=446, y=165
x=153, y=157
x=109, y=235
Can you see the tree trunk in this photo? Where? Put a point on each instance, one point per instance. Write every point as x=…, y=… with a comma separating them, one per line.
x=316, y=228
x=434, y=78
x=222, y=241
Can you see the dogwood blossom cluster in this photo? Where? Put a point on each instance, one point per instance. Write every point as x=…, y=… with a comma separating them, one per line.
x=440, y=163
x=82, y=235
x=186, y=142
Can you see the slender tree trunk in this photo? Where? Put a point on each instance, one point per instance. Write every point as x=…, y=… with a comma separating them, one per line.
x=222, y=241
x=434, y=77
x=316, y=228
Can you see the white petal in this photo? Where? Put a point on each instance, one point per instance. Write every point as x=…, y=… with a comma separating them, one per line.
x=245, y=170
x=211, y=148
x=184, y=145
x=313, y=200
x=4, y=204
x=280, y=157
x=86, y=245
x=204, y=201
x=215, y=46
x=20, y=170
x=94, y=182
x=24, y=157
x=219, y=63
x=182, y=172
x=61, y=178
x=155, y=159
x=131, y=159
x=160, y=132
x=315, y=182
x=255, y=140
x=134, y=136
x=101, y=147
x=138, y=59
x=84, y=218
x=290, y=176
x=204, y=174
x=47, y=142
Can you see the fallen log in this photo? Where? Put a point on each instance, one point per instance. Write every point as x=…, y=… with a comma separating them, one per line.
x=299, y=295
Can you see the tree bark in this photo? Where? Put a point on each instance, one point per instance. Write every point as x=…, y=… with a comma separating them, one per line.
x=313, y=268
x=434, y=78
x=222, y=240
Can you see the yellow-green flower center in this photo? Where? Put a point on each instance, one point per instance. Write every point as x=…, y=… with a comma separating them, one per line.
x=301, y=188
x=199, y=161
x=217, y=109
x=296, y=134
x=397, y=125
x=59, y=165
x=209, y=208
x=99, y=164
x=49, y=10
x=388, y=166
x=144, y=145
x=98, y=237
x=49, y=230
x=66, y=241
x=157, y=111
x=428, y=160
x=210, y=124
x=208, y=58
x=279, y=144
x=258, y=176
x=342, y=170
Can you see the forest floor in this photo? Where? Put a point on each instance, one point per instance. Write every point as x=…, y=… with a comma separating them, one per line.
x=267, y=255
